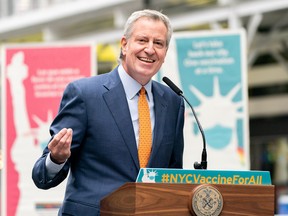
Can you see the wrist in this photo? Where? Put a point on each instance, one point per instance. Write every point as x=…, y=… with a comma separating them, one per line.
x=56, y=161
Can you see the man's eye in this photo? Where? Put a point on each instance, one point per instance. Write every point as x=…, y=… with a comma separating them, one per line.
x=159, y=44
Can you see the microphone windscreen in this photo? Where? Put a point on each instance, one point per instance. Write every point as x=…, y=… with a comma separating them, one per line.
x=172, y=86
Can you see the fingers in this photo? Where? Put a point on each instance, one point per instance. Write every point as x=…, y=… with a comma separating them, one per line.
x=70, y=135
x=61, y=137
x=60, y=145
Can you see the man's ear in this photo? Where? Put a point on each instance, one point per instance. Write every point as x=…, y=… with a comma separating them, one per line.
x=123, y=45
x=165, y=55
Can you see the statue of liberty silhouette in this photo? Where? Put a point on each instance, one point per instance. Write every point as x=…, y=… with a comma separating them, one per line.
x=29, y=142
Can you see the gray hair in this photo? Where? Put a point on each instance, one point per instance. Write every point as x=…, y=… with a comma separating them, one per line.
x=154, y=15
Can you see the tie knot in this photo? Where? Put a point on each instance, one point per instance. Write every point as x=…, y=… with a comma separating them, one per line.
x=142, y=91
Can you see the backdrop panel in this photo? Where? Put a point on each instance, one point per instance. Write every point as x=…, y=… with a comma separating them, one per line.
x=210, y=68
x=33, y=79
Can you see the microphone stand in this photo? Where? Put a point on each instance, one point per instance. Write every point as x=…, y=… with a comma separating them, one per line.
x=197, y=165
x=203, y=164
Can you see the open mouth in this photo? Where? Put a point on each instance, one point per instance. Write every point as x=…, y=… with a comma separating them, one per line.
x=146, y=60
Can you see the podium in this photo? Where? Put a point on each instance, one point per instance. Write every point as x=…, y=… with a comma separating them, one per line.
x=189, y=199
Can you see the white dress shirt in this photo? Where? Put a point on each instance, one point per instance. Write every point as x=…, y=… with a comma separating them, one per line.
x=132, y=88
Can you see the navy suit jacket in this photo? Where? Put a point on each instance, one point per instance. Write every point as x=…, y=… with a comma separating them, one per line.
x=103, y=150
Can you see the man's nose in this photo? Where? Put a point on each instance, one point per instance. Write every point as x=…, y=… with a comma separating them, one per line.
x=149, y=49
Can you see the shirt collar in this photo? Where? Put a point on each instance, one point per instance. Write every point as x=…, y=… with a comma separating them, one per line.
x=131, y=86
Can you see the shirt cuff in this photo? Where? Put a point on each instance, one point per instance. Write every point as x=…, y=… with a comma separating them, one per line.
x=52, y=168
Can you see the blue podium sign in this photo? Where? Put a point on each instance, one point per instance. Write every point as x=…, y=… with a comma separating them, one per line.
x=187, y=176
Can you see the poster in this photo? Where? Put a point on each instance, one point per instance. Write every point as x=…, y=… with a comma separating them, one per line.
x=210, y=68
x=33, y=79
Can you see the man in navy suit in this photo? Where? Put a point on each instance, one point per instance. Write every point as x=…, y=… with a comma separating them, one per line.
x=96, y=131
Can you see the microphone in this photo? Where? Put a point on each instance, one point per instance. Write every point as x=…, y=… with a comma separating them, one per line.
x=197, y=165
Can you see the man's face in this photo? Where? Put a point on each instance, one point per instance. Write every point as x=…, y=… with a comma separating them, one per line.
x=144, y=52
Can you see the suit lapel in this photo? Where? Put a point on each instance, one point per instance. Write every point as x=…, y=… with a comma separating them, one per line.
x=160, y=105
x=117, y=103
